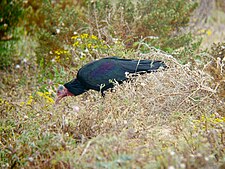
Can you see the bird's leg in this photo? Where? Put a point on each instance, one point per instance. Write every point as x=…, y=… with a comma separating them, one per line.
x=103, y=94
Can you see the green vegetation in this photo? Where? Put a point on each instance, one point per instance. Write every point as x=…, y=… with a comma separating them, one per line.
x=11, y=12
x=167, y=119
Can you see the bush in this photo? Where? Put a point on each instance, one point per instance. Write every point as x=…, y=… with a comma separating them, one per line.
x=55, y=24
x=132, y=20
x=128, y=21
x=217, y=70
x=11, y=12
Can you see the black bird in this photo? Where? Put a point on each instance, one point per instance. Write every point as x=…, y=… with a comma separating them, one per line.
x=98, y=75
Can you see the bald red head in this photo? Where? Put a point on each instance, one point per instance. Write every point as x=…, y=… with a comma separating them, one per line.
x=62, y=92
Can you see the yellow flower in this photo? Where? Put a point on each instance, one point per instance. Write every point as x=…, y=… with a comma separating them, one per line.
x=89, y=45
x=212, y=115
x=202, y=117
x=95, y=46
x=94, y=37
x=218, y=120
x=1, y=101
x=57, y=58
x=196, y=121
x=22, y=103
x=223, y=118
x=57, y=52
x=40, y=94
x=84, y=35
x=49, y=99
x=201, y=31
x=76, y=43
x=30, y=100
x=65, y=51
x=204, y=31
x=74, y=37
x=195, y=127
x=208, y=32
x=45, y=95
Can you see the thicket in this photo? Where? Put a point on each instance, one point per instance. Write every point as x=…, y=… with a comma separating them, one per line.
x=11, y=14
x=167, y=119
x=54, y=23
x=217, y=70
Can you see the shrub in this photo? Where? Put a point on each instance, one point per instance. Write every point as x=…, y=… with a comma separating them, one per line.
x=11, y=12
x=217, y=70
x=126, y=20
x=132, y=20
x=84, y=46
x=55, y=24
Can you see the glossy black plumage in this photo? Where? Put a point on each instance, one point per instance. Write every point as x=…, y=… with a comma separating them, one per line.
x=98, y=75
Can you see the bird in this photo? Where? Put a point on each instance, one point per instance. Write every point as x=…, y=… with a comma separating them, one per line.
x=100, y=74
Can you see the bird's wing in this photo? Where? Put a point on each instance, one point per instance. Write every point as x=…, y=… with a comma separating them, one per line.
x=101, y=73
x=105, y=71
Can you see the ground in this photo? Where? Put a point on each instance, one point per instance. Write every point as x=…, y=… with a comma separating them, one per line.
x=167, y=119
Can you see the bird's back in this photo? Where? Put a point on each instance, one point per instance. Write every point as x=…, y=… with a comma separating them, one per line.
x=99, y=72
x=102, y=72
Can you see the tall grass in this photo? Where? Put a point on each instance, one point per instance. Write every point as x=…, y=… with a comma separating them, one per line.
x=171, y=118
x=158, y=120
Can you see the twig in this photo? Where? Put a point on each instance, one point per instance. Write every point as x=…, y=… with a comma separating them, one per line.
x=85, y=149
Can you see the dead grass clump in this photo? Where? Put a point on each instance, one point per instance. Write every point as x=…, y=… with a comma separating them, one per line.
x=217, y=70
x=157, y=120
x=152, y=97
x=166, y=118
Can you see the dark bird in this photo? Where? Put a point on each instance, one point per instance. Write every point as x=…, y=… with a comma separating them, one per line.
x=100, y=74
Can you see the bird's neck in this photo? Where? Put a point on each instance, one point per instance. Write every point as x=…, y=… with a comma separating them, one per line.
x=69, y=93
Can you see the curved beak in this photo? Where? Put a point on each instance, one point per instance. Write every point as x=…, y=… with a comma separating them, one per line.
x=58, y=98
x=60, y=94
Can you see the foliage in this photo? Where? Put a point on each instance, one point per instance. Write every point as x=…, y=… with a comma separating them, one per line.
x=55, y=23
x=167, y=119
x=6, y=51
x=127, y=21
x=164, y=19
x=84, y=47
x=220, y=5
x=133, y=20
x=11, y=13
x=217, y=70
x=190, y=53
x=174, y=127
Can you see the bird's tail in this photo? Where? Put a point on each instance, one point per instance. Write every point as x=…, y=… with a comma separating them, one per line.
x=149, y=66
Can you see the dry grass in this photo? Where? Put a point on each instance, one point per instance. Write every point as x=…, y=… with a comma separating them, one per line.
x=167, y=119
x=151, y=96
x=157, y=120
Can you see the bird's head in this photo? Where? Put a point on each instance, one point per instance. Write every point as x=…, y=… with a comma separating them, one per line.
x=62, y=92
